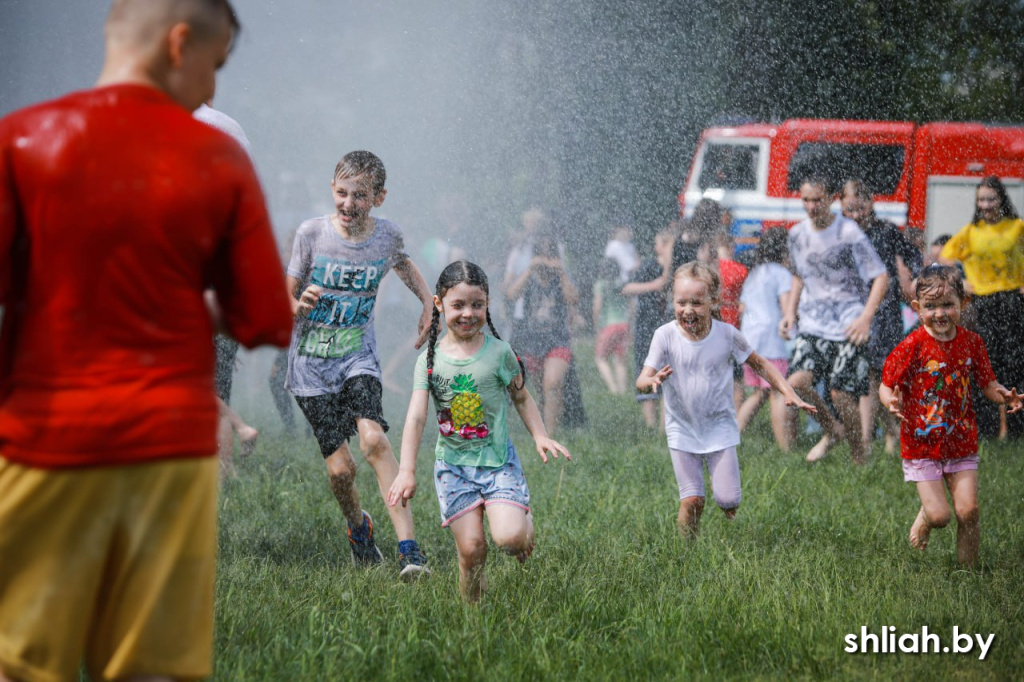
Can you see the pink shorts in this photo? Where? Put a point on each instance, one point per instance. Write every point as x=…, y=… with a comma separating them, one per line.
x=752, y=378
x=920, y=470
x=535, y=364
x=613, y=340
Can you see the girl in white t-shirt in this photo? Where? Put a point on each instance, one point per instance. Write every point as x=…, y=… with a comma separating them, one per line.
x=693, y=353
x=763, y=299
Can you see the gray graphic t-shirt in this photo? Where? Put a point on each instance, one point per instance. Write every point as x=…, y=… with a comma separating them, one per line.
x=837, y=266
x=337, y=342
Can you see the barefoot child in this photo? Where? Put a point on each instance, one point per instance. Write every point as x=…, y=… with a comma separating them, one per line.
x=694, y=355
x=927, y=383
x=611, y=321
x=337, y=264
x=765, y=296
x=476, y=470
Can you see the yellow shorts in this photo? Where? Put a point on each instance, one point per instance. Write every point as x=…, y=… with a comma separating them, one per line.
x=113, y=566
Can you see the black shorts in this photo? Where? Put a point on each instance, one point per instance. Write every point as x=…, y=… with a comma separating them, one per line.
x=333, y=416
x=224, y=369
x=843, y=365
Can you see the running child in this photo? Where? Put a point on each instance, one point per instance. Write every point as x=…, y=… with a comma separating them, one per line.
x=476, y=468
x=926, y=383
x=764, y=297
x=611, y=321
x=337, y=264
x=691, y=357
x=649, y=285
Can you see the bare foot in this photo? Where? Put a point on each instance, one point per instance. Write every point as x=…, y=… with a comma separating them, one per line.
x=248, y=436
x=821, y=448
x=919, y=531
x=522, y=556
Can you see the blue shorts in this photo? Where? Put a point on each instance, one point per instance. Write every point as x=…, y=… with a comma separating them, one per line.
x=460, y=489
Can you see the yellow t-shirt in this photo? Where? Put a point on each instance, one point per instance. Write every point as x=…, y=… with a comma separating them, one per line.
x=992, y=254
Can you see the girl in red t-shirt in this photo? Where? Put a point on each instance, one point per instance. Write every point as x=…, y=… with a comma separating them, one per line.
x=935, y=368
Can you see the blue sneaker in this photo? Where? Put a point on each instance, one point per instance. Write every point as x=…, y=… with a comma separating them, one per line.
x=364, y=551
x=413, y=564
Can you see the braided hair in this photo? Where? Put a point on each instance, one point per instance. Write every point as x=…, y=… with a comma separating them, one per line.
x=460, y=272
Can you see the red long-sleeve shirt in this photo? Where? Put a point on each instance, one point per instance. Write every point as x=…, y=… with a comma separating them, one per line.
x=117, y=209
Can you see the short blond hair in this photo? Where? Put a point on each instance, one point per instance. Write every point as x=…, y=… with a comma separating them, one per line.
x=362, y=162
x=702, y=273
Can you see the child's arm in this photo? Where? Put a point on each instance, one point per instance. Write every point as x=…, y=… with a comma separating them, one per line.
x=784, y=304
x=892, y=399
x=788, y=321
x=213, y=309
x=517, y=284
x=528, y=412
x=597, y=308
x=859, y=330
x=1000, y=395
x=569, y=292
x=772, y=375
x=637, y=288
x=413, y=279
x=404, y=487
x=302, y=304
x=650, y=379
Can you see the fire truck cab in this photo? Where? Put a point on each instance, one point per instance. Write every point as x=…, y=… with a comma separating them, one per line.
x=922, y=176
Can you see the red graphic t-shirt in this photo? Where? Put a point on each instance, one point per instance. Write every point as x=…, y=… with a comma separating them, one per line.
x=935, y=378
x=733, y=275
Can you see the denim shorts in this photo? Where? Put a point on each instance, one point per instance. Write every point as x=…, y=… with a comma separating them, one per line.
x=460, y=489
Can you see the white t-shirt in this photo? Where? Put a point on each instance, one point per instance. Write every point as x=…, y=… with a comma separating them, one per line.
x=837, y=266
x=761, y=312
x=223, y=123
x=700, y=415
x=623, y=253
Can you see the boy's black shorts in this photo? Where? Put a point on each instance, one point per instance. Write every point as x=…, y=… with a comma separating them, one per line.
x=333, y=416
x=843, y=365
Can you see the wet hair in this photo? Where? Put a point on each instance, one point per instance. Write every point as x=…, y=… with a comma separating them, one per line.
x=706, y=221
x=941, y=239
x=773, y=247
x=362, y=163
x=819, y=181
x=1006, y=209
x=545, y=243
x=934, y=278
x=701, y=272
x=857, y=188
x=460, y=272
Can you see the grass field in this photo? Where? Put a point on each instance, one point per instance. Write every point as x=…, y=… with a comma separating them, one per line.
x=612, y=592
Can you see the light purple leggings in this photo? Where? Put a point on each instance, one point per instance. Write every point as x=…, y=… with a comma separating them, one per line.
x=724, y=468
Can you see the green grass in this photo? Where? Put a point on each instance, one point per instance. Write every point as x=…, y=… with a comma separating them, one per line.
x=611, y=591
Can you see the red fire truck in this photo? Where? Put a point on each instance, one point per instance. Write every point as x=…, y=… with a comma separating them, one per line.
x=923, y=176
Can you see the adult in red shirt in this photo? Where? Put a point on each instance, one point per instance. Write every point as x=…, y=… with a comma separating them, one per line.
x=117, y=209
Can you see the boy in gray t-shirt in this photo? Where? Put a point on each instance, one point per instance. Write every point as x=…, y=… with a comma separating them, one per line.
x=838, y=284
x=337, y=264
